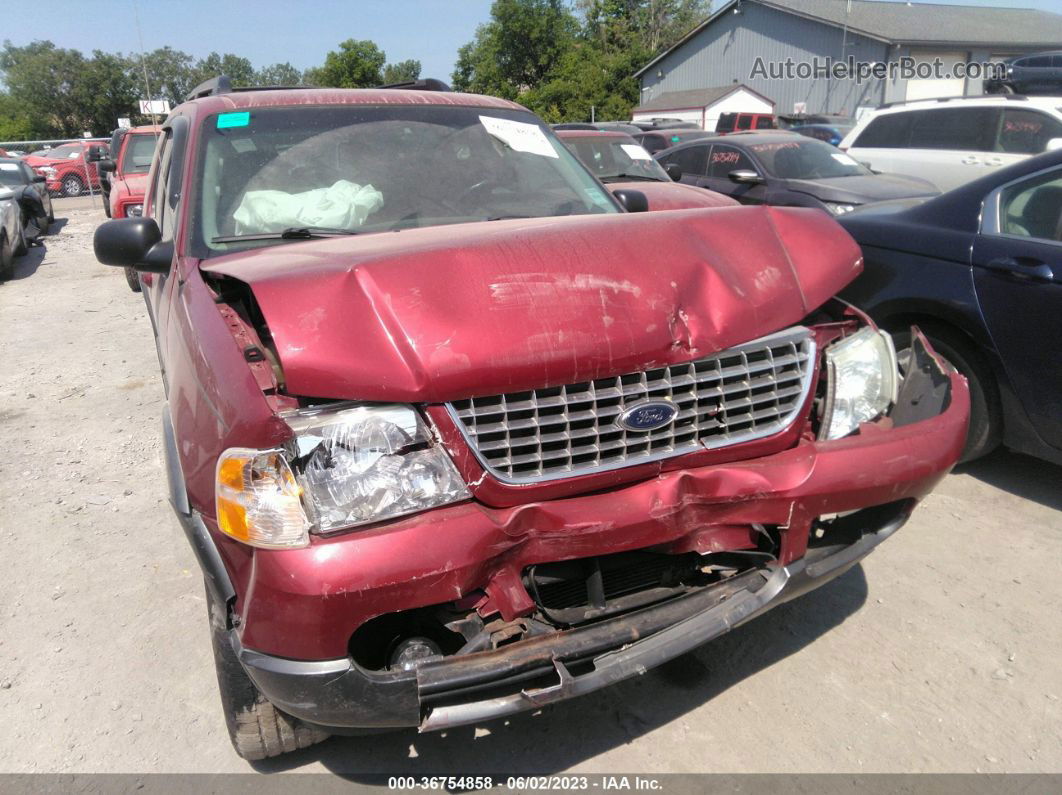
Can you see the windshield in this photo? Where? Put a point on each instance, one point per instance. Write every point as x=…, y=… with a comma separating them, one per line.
x=59, y=152
x=363, y=169
x=806, y=159
x=138, y=153
x=615, y=159
x=11, y=175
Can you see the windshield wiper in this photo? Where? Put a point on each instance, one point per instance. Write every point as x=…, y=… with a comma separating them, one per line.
x=625, y=177
x=507, y=217
x=291, y=233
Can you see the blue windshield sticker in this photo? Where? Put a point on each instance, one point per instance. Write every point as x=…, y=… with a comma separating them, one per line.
x=226, y=120
x=675, y=139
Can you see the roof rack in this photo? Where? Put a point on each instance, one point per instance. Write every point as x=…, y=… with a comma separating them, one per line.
x=1012, y=97
x=424, y=84
x=209, y=88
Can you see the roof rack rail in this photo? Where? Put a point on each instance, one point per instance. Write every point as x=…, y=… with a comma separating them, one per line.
x=209, y=88
x=424, y=84
x=1012, y=97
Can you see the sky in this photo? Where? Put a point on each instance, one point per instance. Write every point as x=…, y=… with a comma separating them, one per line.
x=300, y=32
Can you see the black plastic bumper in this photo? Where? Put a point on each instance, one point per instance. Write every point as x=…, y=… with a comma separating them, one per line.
x=340, y=696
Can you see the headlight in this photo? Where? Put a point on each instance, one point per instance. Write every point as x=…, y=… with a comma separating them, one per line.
x=348, y=465
x=839, y=209
x=134, y=210
x=861, y=381
x=257, y=499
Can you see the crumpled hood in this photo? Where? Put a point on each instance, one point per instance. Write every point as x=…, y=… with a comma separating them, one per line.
x=447, y=312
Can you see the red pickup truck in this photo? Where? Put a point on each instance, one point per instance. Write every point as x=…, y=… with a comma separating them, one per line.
x=68, y=171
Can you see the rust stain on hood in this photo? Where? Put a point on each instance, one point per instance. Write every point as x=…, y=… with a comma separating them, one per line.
x=447, y=312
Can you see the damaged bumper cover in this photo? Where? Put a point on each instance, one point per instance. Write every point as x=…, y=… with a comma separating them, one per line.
x=891, y=463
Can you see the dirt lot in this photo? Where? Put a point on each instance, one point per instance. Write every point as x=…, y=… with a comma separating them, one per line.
x=940, y=653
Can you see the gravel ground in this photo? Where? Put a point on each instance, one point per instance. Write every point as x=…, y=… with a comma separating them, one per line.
x=940, y=653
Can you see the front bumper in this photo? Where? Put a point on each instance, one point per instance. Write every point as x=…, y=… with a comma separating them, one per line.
x=892, y=463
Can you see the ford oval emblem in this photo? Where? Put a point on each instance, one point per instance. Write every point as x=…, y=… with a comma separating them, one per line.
x=647, y=416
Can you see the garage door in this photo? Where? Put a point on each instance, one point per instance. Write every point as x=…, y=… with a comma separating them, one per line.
x=937, y=87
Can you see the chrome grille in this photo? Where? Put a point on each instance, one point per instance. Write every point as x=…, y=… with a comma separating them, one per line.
x=744, y=393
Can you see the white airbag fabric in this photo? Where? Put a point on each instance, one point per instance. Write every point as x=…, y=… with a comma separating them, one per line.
x=345, y=205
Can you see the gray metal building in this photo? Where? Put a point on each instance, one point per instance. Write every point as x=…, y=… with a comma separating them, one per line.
x=725, y=49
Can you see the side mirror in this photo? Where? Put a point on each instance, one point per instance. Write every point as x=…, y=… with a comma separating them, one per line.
x=633, y=201
x=134, y=243
x=674, y=171
x=745, y=176
x=94, y=154
x=39, y=179
x=1053, y=144
x=108, y=166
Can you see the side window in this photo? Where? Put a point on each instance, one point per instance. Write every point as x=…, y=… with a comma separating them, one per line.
x=888, y=131
x=764, y=123
x=725, y=159
x=1039, y=62
x=1026, y=132
x=1033, y=208
x=693, y=160
x=1056, y=61
x=725, y=123
x=744, y=122
x=159, y=209
x=959, y=129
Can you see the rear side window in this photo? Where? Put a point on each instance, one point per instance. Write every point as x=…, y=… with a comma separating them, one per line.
x=725, y=159
x=957, y=129
x=889, y=131
x=744, y=122
x=764, y=123
x=726, y=122
x=1026, y=132
x=692, y=160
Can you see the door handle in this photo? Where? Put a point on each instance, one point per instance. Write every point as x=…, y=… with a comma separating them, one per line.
x=970, y=160
x=1024, y=268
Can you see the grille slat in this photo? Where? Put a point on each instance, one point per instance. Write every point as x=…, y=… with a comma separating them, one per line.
x=744, y=393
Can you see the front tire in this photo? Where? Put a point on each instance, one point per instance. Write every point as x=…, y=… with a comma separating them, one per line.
x=73, y=185
x=132, y=278
x=257, y=729
x=986, y=420
x=7, y=257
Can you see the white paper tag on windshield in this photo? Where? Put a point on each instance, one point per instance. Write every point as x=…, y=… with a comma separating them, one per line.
x=518, y=135
x=635, y=152
x=8, y=166
x=841, y=157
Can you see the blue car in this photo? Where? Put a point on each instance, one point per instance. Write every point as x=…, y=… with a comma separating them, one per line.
x=832, y=134
x=979, y=270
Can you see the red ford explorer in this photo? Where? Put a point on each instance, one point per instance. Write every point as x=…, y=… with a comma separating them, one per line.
x=454, y=434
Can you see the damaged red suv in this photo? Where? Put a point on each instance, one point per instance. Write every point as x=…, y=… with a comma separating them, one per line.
x=454, y=433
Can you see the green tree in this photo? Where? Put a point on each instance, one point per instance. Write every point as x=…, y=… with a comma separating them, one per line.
x=356, y=64
x=401, y=72
x=107, y=90
x=171, y=74
x=15, y=124
x=45, y=81
x=278, y=74
x=238, y=70
x=516, y=51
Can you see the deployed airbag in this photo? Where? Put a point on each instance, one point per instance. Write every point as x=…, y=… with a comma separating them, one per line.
x=345, y=205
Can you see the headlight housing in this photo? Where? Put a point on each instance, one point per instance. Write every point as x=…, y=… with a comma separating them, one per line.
x=349, y=465
x=862, y=379
x=134, y=210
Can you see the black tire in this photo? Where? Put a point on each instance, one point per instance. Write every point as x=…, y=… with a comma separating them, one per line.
x=132, y=278
x=986, y=419
x=21, y=247
x=73, y=185
x=257, y=729
x=107, y=206
x=43, y=223
x=7, y=257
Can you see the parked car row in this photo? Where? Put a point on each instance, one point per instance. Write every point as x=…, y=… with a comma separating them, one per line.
x=456, y=430
x=70, y=169
x=25, y=211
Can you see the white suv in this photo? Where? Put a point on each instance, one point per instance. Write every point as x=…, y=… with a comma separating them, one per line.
x=952, y=141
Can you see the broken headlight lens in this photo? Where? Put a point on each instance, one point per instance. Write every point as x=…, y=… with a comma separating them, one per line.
x=862, y=380
x=366, y=463
x=257, y=499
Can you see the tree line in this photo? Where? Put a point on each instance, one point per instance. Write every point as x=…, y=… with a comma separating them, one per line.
x=557, y=58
